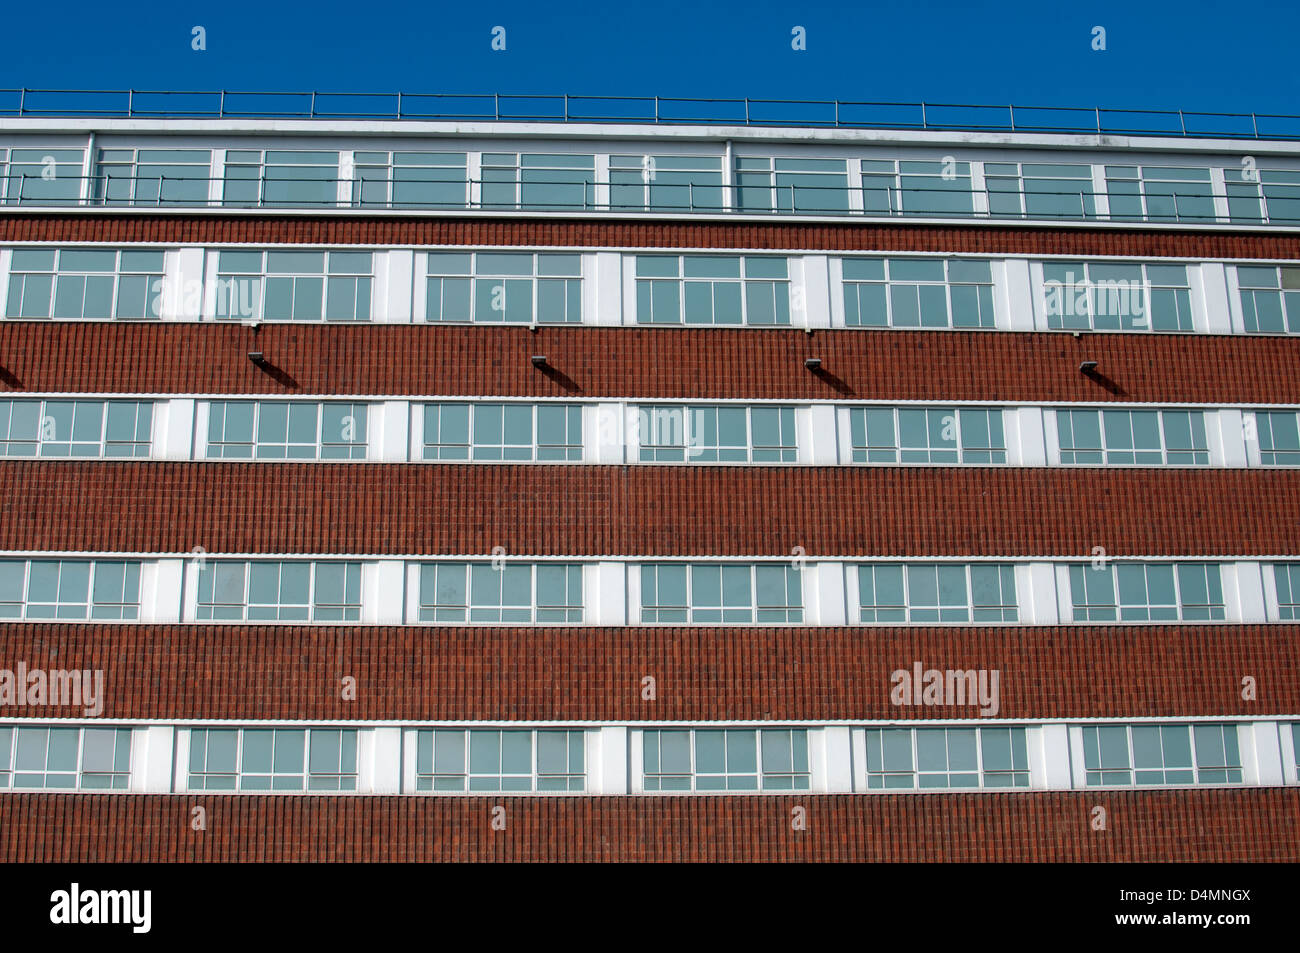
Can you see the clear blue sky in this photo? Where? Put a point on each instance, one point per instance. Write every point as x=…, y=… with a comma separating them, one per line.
x=1238, y=57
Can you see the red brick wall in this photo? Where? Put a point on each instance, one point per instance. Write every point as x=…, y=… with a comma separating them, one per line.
x=1185, y=825
x=454, y=673
x=645, y=510
x=346, y=229
x=645, y=362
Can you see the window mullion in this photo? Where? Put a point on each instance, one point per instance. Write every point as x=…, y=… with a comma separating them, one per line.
x=306, y=753
x=81, y=748
x=916, y=757
x=1132, y=755
x=534, y=599
x=311, y=590
x=1178, y=594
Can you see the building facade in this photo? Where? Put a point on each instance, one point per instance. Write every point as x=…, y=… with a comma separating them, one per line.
x=435, y=490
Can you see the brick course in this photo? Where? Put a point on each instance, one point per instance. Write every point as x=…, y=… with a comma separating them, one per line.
x=343, y=228
x=561, y=673
x=1185, y=825
x=636, y=362
x=645, y=510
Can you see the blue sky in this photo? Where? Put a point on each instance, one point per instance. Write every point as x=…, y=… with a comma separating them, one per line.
x=1193, y=55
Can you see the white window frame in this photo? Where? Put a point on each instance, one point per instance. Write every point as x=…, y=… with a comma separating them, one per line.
x=640, y=777
x=916, y=772
x=1081, y=773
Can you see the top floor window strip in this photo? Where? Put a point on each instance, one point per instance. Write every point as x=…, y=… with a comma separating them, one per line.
x=964, y=185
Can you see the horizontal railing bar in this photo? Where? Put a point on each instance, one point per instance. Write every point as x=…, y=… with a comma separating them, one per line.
x=522, y=107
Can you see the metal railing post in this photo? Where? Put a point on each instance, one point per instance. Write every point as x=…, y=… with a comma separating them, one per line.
x=221, y=106
x=837, y=114
x=746, y=110
x=566, y=107
x=312, y=114
x=1182, y=122
x=1097, y=110
x=22, y=101
x=924, y=124
x=399, y=104
x=496, y=106
x=1011, y=111
x=1254, y=125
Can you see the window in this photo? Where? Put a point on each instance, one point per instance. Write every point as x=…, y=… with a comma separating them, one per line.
x=75, y=428
x=281, y=179
x=729, y=759
x=928, y=758
x=273, y=759
x=153, y=177
x=725, y=593
x=911, y=187
x=44, y=177
x=711, y=289
x=65, y=759
x=69, y=589
x=294, y=285
x=937, y=592
x=1128, y=755
x=509, y=287
x=1114, y=297
x=926, y=435
x=545, y=433
x=1270, y=299
x=1159, y=194
x=279, y=591
x=1280, y=195
x=510, y=592
x=917, y=293
x=712, y=434
x=1147, y=592
x=1278, y=433
x=665, y=183
x=286, y=430
x=792, y=185
x=484, y=759
x=79, y=283
x=1287, y=577
x=1039, y=190
x=410, y=180
x=1132, y=437
x=538, y=181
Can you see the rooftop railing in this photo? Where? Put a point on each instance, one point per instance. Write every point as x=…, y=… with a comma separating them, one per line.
x=658, y=110
x=33, y=191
